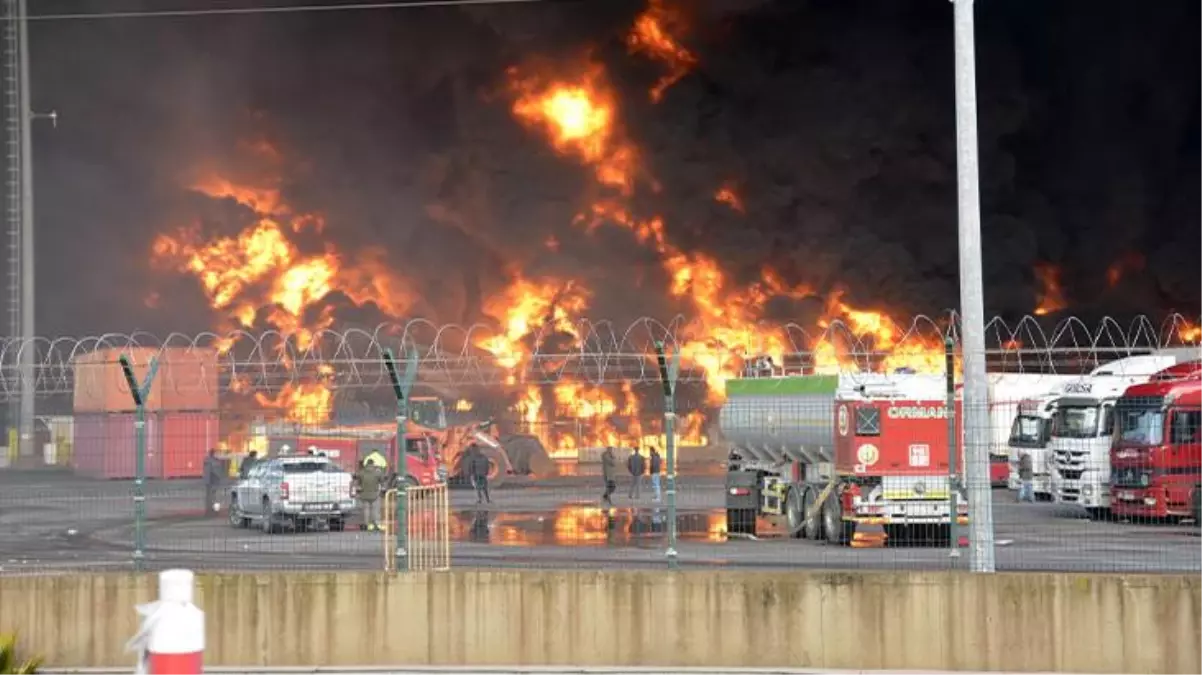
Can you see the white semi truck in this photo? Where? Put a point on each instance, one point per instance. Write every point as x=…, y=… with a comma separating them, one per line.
x=1008, y=392
x=1031, y=434
x=1082, y=426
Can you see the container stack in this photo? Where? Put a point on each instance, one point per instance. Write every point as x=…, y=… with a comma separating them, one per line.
x=182, y=422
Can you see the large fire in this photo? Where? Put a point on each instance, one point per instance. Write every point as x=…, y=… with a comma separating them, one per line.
x=265, y=275
x=1051, y=295
x=260, y=277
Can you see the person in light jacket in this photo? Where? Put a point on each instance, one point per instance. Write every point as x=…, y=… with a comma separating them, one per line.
x=1026, y=489
x=609, y=472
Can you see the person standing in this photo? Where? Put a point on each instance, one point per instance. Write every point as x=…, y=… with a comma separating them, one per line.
x=212, y=477
x=1026, y=489
x=248, y=464
x=478, y=466
x=609, y=472
x=657, y=464
x=636, y=466
x=367, y=480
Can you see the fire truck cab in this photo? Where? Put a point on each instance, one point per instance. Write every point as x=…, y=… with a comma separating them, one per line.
x=1156, y=456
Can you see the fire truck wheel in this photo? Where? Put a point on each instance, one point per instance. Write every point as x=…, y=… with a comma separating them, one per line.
x=795, y=510
x=740, y=521
x=838, y=531
x=813, y=524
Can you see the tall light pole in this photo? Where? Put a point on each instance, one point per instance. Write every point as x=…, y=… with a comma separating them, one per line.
x=972, y=303
x=20, y=116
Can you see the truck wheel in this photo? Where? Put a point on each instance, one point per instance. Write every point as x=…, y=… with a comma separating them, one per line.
x=795, y=510
x=813, y=524
x=496, y=467
x=740, y=521
x=235, y=514
x=838, y=532
x=1097, y=514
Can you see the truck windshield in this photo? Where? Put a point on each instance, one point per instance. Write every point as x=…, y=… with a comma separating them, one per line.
x=1141, y=426
x=427, y=412
x=1075, y=422
x=310, y=467
x=1029, y=431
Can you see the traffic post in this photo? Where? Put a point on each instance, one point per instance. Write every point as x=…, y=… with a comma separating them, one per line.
x=669, y=368
x=401, y=385
x=171, y=639
x=139, y=392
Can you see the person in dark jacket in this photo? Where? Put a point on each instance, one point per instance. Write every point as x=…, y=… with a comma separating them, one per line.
x=478, y=468
x=248, y=464
x=657, y=466
x=609, y=472
x=212, y=477
x=637, y=466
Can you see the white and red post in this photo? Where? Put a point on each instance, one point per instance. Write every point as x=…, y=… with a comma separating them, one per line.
x=172, y=638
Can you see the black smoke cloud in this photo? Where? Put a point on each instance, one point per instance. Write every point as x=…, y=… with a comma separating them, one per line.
x=834, y=119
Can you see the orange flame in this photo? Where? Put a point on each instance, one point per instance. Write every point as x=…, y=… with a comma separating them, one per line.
x=1051, y=295
x=1132, y=261
x=260, y=275
x=727, y=195
x=1189, y=332
x=652, y=35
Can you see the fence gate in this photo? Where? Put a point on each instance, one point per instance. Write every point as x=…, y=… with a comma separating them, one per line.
x=428, y=524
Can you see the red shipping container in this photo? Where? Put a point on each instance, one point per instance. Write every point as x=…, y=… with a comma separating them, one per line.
x=343, y=451
x=105, y=446
x=186, y=379
x=186, y=439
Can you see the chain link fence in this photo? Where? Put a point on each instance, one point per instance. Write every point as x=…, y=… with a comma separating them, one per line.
x=825, y=450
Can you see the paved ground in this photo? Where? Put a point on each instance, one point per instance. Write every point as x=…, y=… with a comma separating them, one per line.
x=56, y=523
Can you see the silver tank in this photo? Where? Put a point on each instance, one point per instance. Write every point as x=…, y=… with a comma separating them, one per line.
x=797, y=427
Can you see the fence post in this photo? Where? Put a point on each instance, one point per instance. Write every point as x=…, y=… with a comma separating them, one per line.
x=139, y=392
x=668, y=371
x=953, y=449
x=401, y=385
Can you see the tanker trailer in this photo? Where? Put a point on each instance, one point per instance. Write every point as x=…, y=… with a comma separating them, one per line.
x=830, y=452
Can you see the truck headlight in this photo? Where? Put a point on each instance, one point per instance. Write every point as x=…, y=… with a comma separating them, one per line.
x=1087, y=490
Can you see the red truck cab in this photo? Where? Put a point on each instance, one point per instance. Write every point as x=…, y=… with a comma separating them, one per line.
x=423, y=463
x=1156, y=455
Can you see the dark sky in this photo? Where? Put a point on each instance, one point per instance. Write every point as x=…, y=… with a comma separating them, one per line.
x=834, y=118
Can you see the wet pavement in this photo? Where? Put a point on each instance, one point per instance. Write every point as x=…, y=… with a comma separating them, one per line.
x=585, y=525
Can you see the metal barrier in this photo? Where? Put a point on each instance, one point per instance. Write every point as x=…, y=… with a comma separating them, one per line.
x=428, y=525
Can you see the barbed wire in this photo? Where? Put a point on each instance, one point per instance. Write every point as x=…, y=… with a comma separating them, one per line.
x=592, y=352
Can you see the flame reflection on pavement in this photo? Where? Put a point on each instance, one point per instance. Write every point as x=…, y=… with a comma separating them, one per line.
x=584, y=525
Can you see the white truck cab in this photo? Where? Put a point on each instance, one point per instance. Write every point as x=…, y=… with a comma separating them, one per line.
x=1031, y=434
x=1082, y=425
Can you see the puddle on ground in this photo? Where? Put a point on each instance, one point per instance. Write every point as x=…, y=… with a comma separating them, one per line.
x=585, y=525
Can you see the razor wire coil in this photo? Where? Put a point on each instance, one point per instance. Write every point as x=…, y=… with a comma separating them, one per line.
x=592, y=352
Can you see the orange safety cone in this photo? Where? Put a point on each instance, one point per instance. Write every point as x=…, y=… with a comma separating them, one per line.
x=869, y=535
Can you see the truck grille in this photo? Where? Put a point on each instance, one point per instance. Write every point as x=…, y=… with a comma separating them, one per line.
x=1131, y=477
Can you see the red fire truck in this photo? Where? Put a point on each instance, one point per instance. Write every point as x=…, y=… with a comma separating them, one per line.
x=1156, y=455
x=831, y=453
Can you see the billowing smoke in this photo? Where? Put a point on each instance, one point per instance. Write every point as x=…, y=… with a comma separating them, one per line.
x=831, y=121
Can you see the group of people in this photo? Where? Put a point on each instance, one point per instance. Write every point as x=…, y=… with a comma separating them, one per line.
x=638, y=467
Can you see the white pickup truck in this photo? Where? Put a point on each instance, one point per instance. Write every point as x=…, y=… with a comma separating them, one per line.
x=302, y=492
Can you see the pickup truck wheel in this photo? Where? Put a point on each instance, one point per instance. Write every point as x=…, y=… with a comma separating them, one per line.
x=235, y=514
x=267, y=523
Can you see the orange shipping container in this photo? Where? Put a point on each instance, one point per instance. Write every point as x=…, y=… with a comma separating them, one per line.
x=186, y=380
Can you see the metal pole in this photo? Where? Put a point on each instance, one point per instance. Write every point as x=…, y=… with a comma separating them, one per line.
x=972, y=309
x=668, y=373
x=138, y=392
x=401, y=386
x=25, y=424
x=953, y=448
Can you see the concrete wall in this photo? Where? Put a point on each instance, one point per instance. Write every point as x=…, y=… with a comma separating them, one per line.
x=903, y=620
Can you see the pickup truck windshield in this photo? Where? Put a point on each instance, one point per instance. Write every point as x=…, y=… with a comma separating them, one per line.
x=1075, y=422
x=310, y=467
x=1141, y=426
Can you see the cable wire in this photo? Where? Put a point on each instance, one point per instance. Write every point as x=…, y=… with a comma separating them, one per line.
x=283, y=9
